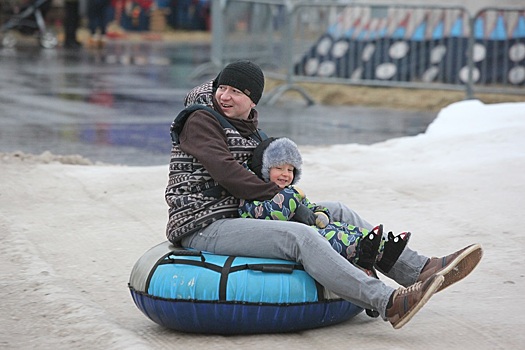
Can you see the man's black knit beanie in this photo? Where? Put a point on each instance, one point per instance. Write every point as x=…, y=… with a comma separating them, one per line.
x=245, y=76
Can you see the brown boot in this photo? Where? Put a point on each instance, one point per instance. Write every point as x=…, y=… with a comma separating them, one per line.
x=453, y=267
x=406, y=302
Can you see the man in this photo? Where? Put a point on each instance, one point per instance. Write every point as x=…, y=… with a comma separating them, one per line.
x=207, y=180
x=71, y=23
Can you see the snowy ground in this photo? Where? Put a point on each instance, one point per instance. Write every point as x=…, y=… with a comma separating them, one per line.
x=70, y=234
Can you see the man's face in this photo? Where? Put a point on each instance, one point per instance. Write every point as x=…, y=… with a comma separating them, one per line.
x=234, y=103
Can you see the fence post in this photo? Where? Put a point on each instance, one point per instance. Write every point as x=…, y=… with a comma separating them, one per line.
x=276, y=93
x=217, y=42
x=217, y=38
x=470, y=60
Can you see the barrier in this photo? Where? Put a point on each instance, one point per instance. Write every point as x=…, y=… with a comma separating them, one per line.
x=414, y=46
x=498, y=50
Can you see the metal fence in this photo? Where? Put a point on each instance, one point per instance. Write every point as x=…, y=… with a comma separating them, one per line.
x=415, y=46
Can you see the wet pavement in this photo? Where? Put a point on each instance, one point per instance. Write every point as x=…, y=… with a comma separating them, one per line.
x=116, y=105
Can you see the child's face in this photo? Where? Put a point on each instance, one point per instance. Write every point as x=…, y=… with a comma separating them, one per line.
x=282, y=175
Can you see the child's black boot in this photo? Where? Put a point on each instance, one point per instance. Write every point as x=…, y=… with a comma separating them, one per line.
x=368, y=249
x=394, y=246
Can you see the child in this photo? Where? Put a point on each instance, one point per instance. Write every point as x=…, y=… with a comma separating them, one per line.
x=278, y=160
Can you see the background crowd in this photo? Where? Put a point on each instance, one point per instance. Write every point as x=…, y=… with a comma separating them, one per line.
x=130, y=15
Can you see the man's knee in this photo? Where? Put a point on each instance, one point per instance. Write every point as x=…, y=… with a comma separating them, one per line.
x=340, y=212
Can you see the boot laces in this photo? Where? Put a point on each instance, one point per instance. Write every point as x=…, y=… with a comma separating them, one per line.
x=413, y=288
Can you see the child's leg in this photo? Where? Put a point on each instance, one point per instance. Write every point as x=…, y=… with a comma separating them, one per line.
x=358, y=245
x=341, y=240
x=409, y=264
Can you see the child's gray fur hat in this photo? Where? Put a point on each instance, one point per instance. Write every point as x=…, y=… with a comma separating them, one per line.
x=273, y=152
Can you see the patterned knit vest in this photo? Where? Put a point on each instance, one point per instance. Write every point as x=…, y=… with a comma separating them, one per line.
x=196, y=200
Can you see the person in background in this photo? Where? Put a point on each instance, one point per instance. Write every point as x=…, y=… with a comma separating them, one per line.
x=71, y=24
x=98, y=19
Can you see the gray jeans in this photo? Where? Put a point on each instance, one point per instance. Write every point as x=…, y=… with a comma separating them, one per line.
x=297, y=242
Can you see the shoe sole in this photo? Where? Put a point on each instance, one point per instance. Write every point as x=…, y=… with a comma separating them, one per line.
x=426, y=297
x=461, y=266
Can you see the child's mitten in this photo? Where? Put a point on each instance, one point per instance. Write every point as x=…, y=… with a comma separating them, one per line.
x=322, y=219
x=304, y=215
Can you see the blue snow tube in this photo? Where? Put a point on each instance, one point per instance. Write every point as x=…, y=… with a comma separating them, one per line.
x=199, y=292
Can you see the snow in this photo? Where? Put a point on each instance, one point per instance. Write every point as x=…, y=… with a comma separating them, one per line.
x=71, y=231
